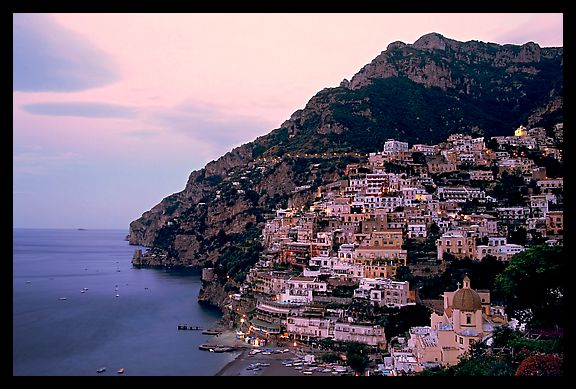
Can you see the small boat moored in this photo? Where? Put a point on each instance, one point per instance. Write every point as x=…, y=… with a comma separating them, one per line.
x=101, y=370
x=211, y=332
x=121, y=370
x=63, y=298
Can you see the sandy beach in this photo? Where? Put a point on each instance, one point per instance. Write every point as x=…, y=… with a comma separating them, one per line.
x=238, y=367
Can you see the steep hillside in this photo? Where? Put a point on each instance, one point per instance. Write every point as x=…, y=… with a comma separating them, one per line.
x=417, y=92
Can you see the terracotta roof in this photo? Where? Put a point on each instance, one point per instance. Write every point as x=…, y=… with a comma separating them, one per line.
x=466, y=299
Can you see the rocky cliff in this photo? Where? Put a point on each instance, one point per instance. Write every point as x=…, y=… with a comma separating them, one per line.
x=418, y=92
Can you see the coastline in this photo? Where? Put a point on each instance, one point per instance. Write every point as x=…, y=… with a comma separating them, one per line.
x=239, y=365
x=233, y=365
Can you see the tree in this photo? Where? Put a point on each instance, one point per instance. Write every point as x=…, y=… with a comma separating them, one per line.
x=532, y=285
x=330, y=357
x=434, y=229
x=403, y=273
x=540, y=365
x=419, y=157
x=492, y=144
x=484, y=366
x=357, y=356
x=397, y=321
x=518, y=236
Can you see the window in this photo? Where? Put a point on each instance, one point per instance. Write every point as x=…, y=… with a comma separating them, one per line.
x=468, y=318
x=461, y=340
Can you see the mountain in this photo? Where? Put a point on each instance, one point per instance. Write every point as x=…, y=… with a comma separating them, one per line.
x=419, y=93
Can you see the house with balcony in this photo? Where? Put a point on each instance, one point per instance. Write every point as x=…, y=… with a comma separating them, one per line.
x=367, y=333
x=299, y=289
x=457, y=243
x=384, y=292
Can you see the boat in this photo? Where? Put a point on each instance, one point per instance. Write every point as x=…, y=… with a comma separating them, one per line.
x=101, y=370
x=210, y=332
x=121, y=370
x=222, y=349
x=117, y=295
x=63, y=298
x=28, y=282
x=82, y=291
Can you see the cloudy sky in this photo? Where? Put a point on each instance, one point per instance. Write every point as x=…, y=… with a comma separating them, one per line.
x=113, y=111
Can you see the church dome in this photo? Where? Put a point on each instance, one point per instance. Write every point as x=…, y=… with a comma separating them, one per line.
x=466, y=299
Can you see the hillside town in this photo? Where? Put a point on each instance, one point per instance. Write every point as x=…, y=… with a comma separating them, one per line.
x=328, y=269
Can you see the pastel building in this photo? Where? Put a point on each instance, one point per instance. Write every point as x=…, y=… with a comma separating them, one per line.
x=383, y=292
x=467, y=318
x=367, y=333
x=457, y=243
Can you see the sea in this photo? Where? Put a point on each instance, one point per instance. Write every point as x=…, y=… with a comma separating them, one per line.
x=125, y=318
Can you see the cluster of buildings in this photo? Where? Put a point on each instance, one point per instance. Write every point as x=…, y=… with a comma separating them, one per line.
x=353, y=238
x=467, y=317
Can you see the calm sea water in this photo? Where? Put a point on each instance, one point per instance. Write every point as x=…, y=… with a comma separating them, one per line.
x=76, y=336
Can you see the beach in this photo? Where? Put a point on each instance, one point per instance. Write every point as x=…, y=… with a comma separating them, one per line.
x=240, y=365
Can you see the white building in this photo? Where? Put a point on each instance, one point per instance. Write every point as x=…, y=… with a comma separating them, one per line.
x=367, y=333
x=498, y=247
x=525, y=165
x=308, y=328
x=459, y=194
x=392, y=146
x=539, y=205
x=550, y=183
x=299, y=289
x=513, y=213
x=336, y=267
x=388, y=203
x=481, y=175
x=424, y=149
x=417, y=231
x=383, y=292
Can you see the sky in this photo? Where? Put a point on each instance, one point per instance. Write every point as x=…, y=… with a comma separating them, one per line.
x=111, y=112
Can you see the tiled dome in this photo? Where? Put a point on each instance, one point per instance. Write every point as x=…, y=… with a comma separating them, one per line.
x=466, y=299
